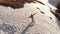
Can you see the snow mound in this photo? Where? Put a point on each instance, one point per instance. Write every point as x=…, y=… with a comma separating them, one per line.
x=17, y=21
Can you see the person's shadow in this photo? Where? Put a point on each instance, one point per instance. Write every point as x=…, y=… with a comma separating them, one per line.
x=29, y=25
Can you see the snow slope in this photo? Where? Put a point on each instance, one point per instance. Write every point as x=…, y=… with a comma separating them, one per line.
x=16, y=21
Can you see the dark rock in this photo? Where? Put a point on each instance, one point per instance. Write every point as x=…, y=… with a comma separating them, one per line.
x=15, y=3
x=58, y=7
x=56, y=14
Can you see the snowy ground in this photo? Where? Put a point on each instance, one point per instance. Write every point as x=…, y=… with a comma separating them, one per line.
x=16, y=21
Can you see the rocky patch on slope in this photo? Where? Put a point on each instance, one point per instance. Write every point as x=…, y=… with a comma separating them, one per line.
x=17, y=3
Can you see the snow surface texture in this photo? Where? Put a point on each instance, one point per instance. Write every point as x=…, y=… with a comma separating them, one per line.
x=16, y=21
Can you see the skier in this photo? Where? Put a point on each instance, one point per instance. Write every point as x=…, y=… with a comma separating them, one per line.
x=32, y=18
